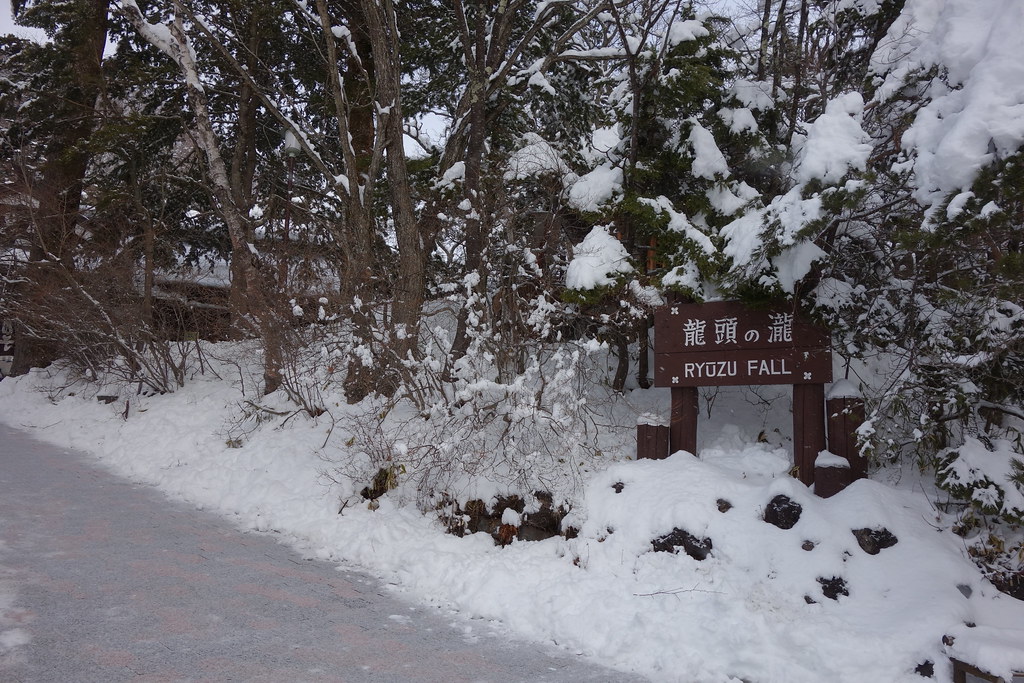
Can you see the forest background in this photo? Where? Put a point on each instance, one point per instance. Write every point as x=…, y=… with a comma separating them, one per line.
x=187, y=170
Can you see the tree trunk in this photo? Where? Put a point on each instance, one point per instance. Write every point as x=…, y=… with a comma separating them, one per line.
x=241, y=172
x=256, y=296
x=410, y=284
x=621, y=342
x=475, y=239
x=475, y=51
x=797, y=95
x=352, y=93
x=762, y=52
x=149, y=250
x=148, y=244
x=779, y=50
x=643, y=369
x=58, y=189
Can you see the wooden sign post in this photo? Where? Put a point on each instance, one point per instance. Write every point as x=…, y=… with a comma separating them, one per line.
x=6, y=347
x=728, y=344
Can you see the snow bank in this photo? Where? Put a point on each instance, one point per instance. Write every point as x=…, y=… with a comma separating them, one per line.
x=752, y=609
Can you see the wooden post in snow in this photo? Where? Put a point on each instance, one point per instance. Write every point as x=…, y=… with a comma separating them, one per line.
x=683, y=423
x=808, y=428
x=845, y=409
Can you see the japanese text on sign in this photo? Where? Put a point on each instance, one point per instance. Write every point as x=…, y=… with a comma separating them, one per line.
x=725, y=343
x=779, y=330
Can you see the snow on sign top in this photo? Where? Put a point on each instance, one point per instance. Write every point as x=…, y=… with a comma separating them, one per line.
x=727, y=344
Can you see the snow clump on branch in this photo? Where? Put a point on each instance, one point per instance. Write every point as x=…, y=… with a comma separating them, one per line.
x=597, y=261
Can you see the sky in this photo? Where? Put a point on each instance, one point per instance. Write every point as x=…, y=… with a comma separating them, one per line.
x=7, y=24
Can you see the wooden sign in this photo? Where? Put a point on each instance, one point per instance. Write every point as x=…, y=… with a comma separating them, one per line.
x=6, y=338
x=6, y=347
x=727, y=344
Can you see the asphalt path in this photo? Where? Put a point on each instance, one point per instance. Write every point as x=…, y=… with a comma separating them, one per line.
x=105, y=580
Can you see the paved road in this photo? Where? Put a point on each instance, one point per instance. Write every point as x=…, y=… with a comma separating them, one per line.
x=104, y=580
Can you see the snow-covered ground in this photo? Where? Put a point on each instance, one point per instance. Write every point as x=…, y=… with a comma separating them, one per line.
x=754, y=609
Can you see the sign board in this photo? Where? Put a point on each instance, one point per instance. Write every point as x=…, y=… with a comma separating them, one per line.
x=727, y=344
x=6, y=347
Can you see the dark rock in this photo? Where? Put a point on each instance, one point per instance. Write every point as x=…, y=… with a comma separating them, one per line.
x=1009, y=582
x=964, y=589
x=809, y=600
x=697, y=548
x=483, y=521
x=505, y=534
x=532, y=533
x=475, y=517
x=547, y=519
x=385, y=480
x=479, y=520
x=724, y=505
x=925, y=669
x=808, y=545
x=618, y=486
x=783, y=512
x=543, y=523
x=834, y=587
x=502, y=503
x=448, y=513
x=873, y=541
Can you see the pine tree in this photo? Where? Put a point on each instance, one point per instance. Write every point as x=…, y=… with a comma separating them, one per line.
x=688, y=142
x=59, y=85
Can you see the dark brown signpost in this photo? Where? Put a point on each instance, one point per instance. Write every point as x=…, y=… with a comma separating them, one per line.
x=6, y=347
x=728, y=344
